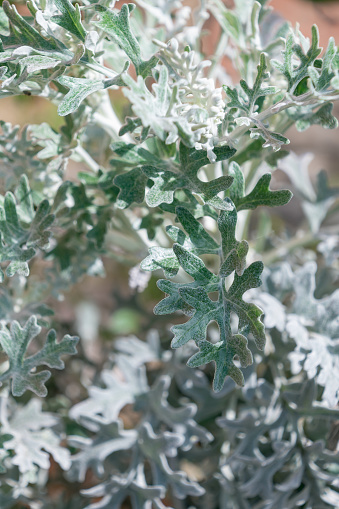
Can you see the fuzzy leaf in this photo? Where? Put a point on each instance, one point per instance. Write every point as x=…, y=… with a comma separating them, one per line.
x=258, y=91
x=198, y=242
x=166, y=182
x=130, y=155
x=234, y=252
x=196, y=269
x=70, y=18
x=80, y=88
x=21, y=369
x=322, y=79
x=161, y=258
x=131, y=124
x=262, y=195
x=23, y=33
x=19, y=242
x=35, y=63
x=322, y=116
x=31, y=439
x=237, y=189
x=193, y=300
x=99, y=230
x=24, y=197
x=219, y=311
x=197, y=233
x=272, y=139
x=110, y=438
x=191, y=160
x=151, y=108
x=249, y=314
x=132, y=187
x=117, y=26
x=296, y=73
x=156, y=449
x=223, y=356
x=313, y=324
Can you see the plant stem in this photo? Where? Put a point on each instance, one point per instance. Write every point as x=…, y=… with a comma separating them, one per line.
x=274, y=109
x=101, y=69
x=108, y=120
x=86, y=158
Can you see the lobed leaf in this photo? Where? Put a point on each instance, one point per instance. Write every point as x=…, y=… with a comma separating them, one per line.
x=322, y=116
x=152, y=109
x=296, y=73
x=132, y=187
x=19, y=238
x=223, y=356
x=80, y=88
x=117, y=26
x=70, y=18
x=198, y=242
x=166, y=181
x=21, y=33
x=193, y=298
x=31, y=439
x=254, y=94
x=22, y=369
x=262, y=195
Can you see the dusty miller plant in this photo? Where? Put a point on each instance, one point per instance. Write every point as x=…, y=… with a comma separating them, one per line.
x=176, y=154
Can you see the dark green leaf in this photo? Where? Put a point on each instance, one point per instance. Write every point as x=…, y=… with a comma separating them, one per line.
x=199, y=242
x=249, y=314
x=192, y=160
x=197, y=234
x=132, y=187
x=234, y=252
x=23, y=34
x=237, y=189
x=70, y=18
x=262, y=195
x=193, y=298
x=223, y=356
x=134, y=155
x=166, y=181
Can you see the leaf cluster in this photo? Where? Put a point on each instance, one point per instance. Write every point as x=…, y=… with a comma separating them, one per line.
x=158, y=153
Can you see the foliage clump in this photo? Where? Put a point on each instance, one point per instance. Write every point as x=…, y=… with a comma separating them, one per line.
x=177, y=176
